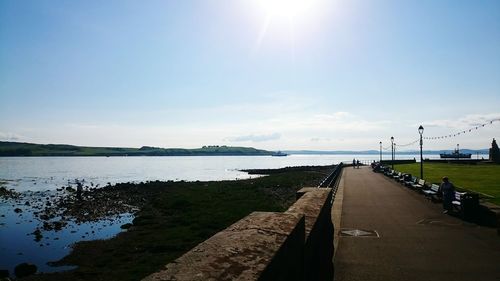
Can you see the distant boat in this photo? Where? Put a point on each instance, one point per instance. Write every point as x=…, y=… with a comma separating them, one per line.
x=455, y=155
x=279, y=153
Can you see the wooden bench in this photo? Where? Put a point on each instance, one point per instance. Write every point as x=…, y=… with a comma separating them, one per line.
x=404, y=178
x=467, y=204
x=400, y=177
x=457, y=202
x=391, y=173
x=380, y=169
x=411, y=181
x=431, y=191
x=419, y=185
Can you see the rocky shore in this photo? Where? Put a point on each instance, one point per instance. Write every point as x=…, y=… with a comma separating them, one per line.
x=55, y=209
x=50, y=212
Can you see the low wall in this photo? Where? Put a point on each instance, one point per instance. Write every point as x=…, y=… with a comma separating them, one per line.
x=294, y=245
x=454, y=161
x=395, y=162
x=316, y=206
x=489, y=215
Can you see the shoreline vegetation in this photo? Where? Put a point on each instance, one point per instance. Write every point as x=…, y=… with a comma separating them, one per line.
x=31, y=149
x=172, y=218
x=13, y=149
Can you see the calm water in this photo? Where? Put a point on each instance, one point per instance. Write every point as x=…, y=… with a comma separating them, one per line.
x=45, y=174
x=42, y=173
x=48, y=173
x=17, y=244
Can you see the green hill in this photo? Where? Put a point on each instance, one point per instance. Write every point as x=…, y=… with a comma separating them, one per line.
x=31, y=149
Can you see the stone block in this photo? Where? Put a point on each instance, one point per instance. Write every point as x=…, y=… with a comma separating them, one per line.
x=318, y=248
x=314, y=203
x=261, y=246
x=303, y=191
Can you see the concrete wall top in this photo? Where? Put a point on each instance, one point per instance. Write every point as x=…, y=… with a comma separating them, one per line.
x=304, y=190
x=311, y=203
x=240, y=252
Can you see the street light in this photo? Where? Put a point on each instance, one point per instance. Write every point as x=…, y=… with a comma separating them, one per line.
x=380, y=152
x=421, y=131
x=392, y=152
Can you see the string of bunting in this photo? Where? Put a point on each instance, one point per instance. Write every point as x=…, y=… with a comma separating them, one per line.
x=447, y=136
x=401, y=145
x=463, y=132
x=409, y=144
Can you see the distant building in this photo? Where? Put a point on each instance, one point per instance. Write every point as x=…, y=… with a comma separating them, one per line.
x=494, y=152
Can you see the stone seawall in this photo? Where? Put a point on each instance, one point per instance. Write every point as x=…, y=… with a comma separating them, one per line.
x=315, y=205
x=293, y=245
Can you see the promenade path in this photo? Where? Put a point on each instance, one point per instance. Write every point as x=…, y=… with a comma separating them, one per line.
x=416, y=240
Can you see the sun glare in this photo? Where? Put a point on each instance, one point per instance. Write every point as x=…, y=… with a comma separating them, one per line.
x=286, y=8
x=289, y=19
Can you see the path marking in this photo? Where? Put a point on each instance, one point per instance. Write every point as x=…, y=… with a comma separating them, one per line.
x=358, y=233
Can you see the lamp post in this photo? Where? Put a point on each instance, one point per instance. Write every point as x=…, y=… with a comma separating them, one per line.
x=380, y=152
x=421, y=131
x=392, y=152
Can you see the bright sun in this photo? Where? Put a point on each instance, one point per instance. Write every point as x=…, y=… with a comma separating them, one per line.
x=288, y=18
x=286, y=8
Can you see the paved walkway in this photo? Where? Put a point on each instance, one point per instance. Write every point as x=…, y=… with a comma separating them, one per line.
x=417, y=241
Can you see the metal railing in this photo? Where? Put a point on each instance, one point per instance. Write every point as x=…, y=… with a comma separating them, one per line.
x=332, y=180
x=366, y=162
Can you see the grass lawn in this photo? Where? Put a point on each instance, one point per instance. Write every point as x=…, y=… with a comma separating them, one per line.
x=481, y=178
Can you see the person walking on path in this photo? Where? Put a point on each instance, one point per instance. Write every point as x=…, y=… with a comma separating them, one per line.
x=357, y=163
x=354, y=163
x=448, y=191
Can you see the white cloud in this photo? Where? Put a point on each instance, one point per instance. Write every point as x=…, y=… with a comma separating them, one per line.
x=319, y=124
x=255, y=138
x=465, y=122
x=8, y=136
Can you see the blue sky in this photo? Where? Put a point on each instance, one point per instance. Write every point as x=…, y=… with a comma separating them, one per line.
x=333, y=75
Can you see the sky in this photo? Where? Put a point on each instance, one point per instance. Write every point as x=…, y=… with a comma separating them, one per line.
x=275, y=74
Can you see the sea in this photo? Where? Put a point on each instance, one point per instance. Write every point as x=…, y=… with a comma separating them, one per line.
x=49, y=173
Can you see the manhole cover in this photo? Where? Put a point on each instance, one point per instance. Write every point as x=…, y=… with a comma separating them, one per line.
x=358, y=233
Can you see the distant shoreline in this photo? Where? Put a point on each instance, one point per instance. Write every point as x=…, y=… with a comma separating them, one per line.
x=14, y=149
x=106, y=156
x=20, y=149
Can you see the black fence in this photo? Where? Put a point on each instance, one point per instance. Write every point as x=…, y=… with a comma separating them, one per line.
x=332, y=180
